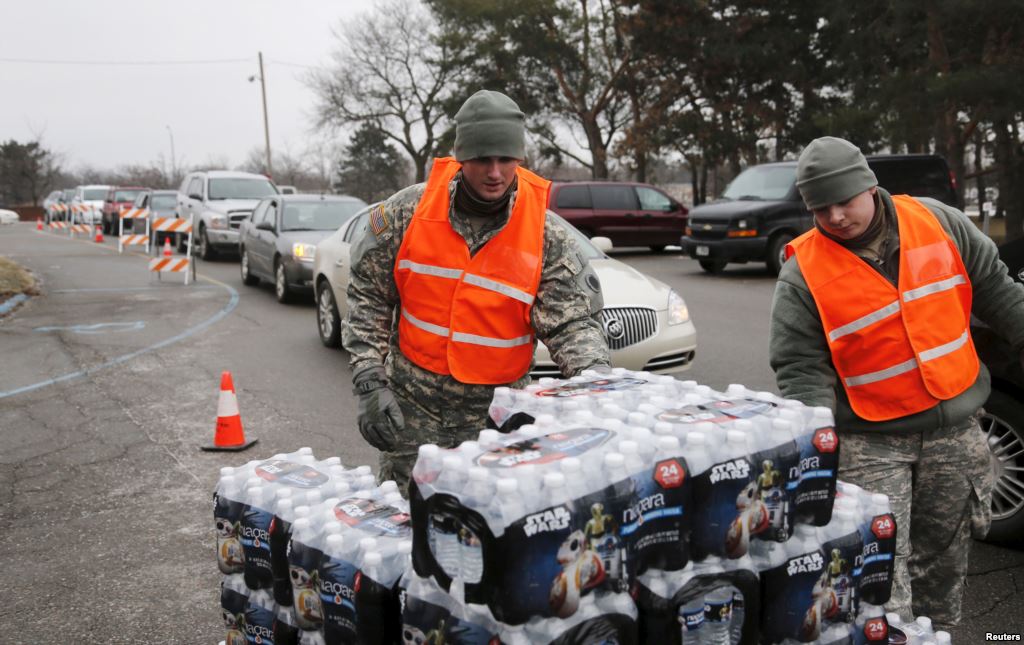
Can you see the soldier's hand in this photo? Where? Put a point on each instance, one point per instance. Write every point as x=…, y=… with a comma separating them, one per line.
x=380, y=417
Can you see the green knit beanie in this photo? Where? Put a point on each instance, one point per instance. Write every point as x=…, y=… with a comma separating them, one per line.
x=489, y=124
x=830, y=171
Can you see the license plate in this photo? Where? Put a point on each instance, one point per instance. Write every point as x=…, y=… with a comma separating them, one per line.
x=703, y=251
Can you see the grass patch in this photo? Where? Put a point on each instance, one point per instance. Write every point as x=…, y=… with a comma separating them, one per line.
x=14, y=280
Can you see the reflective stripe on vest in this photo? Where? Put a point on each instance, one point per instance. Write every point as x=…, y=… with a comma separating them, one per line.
x=897, y=350
x=470, y=316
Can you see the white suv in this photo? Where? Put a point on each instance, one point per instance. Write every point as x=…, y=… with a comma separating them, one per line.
x=87, y=204
x=218, y=201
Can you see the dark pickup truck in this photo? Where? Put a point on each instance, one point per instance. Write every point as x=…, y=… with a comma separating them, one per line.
x=761, y=210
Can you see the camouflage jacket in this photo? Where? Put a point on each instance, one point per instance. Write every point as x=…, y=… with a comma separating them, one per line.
x=568, y=298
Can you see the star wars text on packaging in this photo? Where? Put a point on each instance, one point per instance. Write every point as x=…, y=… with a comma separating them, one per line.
x=620, y=514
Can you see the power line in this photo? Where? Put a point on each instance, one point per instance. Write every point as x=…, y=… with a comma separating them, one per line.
x=36, y=61
x=286, y=64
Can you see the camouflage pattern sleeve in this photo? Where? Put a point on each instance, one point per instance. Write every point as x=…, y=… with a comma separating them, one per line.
x=568, y=298
x=372, y=293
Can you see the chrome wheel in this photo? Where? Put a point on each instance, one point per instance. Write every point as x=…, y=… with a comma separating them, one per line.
x=247, y=277
x=1007, y=448
x=280, y=283
x=327, y=317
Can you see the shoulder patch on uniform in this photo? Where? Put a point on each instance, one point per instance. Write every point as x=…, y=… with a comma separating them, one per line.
x=379, y=220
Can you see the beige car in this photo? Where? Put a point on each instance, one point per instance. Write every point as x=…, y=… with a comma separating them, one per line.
x=647, y=324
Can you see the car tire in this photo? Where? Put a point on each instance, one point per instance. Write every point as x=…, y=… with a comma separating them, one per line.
x=712, y=266
x=1003, y=423
x=658, y=248
x=205, y=252
x=248, y=278
x=776, y=256
x=281, y=289
x=328, y=320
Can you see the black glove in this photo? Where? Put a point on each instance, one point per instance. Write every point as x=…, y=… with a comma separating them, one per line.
x=380, y=418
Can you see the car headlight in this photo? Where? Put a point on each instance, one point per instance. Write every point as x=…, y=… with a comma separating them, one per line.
x=304, y=252
x=218, y=221
x=677, y=311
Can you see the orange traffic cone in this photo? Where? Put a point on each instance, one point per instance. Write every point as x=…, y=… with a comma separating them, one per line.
x=229, y=435
x=39, y=223
x=167, y=254
x=99, y=233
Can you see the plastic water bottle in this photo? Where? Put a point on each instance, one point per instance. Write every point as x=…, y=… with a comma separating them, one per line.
x=508, y=500
x=698, y=456
x=718, y=616
x=942, y=637
x=691, y=621
x=631, y=456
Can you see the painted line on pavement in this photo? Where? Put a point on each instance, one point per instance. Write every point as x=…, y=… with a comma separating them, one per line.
x=117, y=289
x=191, y=331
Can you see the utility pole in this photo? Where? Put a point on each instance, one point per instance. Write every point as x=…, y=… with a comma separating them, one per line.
x=174, y=163
x=266, y=125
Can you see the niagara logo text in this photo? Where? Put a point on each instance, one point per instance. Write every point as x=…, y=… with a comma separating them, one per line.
x=550, y=520
x=810, y=463
x=637, y=510
x=806, y=563
x=337, y=589
x=259, y=630
x=870, y=548
x=736, y=469
x=251, y=532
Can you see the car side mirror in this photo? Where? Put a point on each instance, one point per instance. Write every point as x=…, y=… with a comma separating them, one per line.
x=265, y=226
x=195, y=196
x=603, y=244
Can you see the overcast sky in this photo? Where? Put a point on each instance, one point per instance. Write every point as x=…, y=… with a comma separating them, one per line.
x=110, y=114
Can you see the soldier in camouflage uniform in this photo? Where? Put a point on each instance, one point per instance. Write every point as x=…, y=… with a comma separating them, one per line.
x=403, y=405
x=931, y=459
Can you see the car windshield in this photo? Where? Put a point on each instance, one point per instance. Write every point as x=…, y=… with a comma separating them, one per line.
x=762, y=182
x=318, y=215
x=93, y=194
x=126, y=195
x=162, y=202
x=241, y=188
x=68, y=195
x=589, y=251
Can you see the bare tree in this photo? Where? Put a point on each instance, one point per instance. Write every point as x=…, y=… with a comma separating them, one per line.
x=391, y=70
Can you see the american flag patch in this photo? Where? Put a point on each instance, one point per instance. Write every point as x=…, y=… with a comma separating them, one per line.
x=378, y=220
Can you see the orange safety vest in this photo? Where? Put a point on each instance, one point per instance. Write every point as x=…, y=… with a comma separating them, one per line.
x=897, y=351
x=470, y=316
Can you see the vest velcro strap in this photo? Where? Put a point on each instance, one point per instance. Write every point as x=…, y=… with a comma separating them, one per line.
x=498, y=287
x=862, y=322
x=935, y=287
x=424, y=325
x=487, y=341
x=881, y=375
x=427, y=269
x=948, y=348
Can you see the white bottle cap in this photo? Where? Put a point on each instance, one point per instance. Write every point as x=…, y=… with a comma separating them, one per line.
x=428, y=451
x=821, y=412
x=301, y=511
x=335, y=542
x=453, y=462
x=478, y=474
x=388, y=486
x=628, y=447
x=696, y=440
x=363, y=470
x=331, y=502
x=331, y=524
x=703, y=390
x=393, y=498
x=744, y=425
x=925, y=623
x=300, y=524
x=284, y=493
x=735, y=389
x=781, y=425
x=469, y=448
x=636, y=418
x=332, y=461
x=488, y=437
x=667, y=444
x=404, y=547
x=571, y=465
x=305, y=450
x=942, y=637
x=227, y=471
x=878, y=499
x=893, y=618
x=367, y=544
x=507, y=486
x=736, y=436
x=544, y=420
x=554, y=480
x=662, y=428
x=614, y=460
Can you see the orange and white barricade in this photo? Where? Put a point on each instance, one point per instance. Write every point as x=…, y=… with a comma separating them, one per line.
x=136, y=238
x=58, y=226
x=174, y=264
x=74, y=229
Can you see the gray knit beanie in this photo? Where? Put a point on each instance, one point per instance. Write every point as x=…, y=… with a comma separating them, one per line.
x=832, y=170
x=489, y=124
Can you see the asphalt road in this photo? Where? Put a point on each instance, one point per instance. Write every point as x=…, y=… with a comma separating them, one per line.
x=108, y=386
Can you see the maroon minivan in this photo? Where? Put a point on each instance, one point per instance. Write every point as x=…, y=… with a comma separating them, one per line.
x=628, y=213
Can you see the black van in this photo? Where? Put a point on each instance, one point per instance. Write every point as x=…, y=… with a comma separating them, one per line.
x=761, y=210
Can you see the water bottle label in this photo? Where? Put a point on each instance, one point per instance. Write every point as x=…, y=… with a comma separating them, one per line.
x=232, y=605
x=775, y=483
x=595, y=386
x=819, y=463
x=718, y=612
x=373, y=517
x=610, y=628
x=258, y=625
x=289, y=473
x=843, y=572
x=254, y=534
x=691, y=620
x=718, y=411
x=795, y=598
x=337, y=587
x=729, y=509
x=545, y=449
x=305, y=584
x=879, y=536
x=226, y=515
x=424, y=622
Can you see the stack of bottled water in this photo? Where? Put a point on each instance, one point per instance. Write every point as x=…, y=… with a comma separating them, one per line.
x=270, y=514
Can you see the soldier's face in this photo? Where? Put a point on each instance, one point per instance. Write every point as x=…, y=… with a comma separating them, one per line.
x=848, y=219
x=489, y=177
